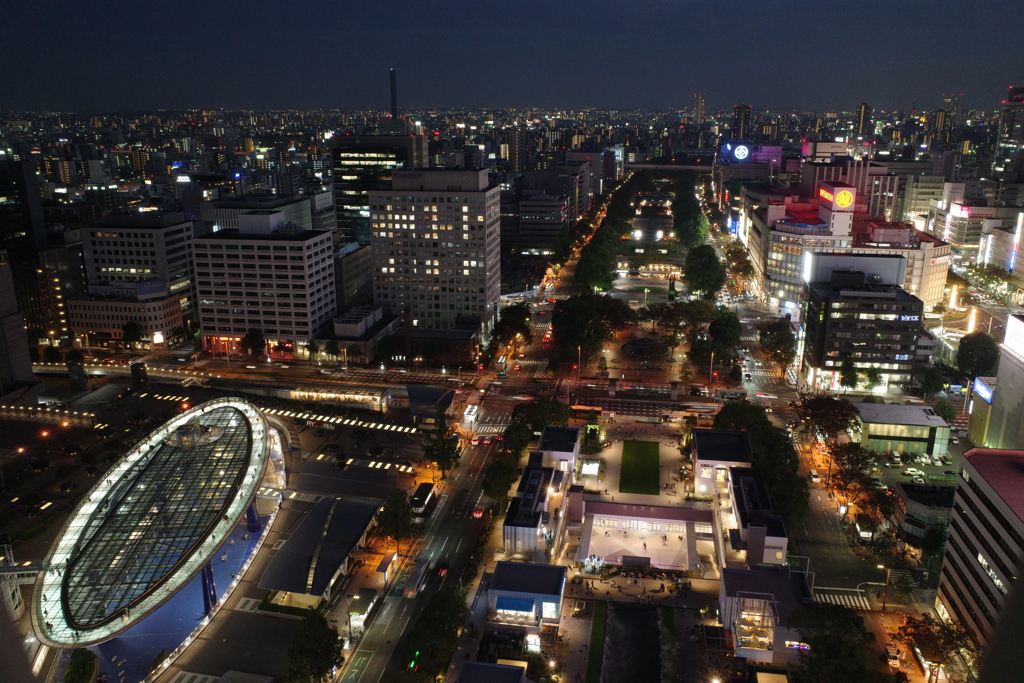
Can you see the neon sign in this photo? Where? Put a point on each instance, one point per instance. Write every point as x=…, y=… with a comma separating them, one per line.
x=844, y=199
x=741, y=152
x=983, y=390
x=826, y=195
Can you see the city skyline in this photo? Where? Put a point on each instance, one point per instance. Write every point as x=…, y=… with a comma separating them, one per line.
x=255, y=57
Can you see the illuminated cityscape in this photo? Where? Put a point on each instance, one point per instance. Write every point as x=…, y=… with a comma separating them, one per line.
x=510, y=345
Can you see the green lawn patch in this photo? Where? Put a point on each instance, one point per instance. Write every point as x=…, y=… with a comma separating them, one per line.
x=596, y=654
x=640, y=471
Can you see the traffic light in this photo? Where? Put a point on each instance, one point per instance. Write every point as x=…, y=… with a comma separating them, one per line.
x=575, y=367
x=412, y=664
x=715, y=374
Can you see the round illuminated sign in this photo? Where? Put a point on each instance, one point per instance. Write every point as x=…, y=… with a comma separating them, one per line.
x=742, y=152
x=844, y=199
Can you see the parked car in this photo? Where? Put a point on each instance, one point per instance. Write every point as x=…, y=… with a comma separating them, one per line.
x=954, y=439
x=918, y=480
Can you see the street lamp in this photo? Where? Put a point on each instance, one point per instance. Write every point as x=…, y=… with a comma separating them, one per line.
x=46, y=441
x=888, y=574
x=711, y=369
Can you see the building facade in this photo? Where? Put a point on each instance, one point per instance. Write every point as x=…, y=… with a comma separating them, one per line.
x=267, y=277
x=986, y=539
x=850, y=317
x=436, y=248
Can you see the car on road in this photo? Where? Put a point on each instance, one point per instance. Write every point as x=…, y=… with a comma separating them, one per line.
x=516, y=368
x=488, y=440
x=475, y=441
x=442, y=568
x=954, y=439
x=918, y=480
x=748, y=377
x=499, y=437
x=953, y=472
x=912, y=472
x=478, y=513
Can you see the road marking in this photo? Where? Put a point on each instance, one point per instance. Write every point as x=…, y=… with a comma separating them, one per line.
x=853, y=598
x=356, y=667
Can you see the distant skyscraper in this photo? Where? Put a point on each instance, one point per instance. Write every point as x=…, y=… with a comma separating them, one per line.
x=394, y=95
x=740, y=121
x=863, y=126
x=698, y=107
x=518, y=155
x=1009, y=156
x=953, y=105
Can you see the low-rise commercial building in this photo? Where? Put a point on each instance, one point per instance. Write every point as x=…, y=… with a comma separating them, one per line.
x=755, y=605
x=305, y=570
x=920, y=508
x=530, y=520
x=714, y=452
x=759, y=533
x=888, y=428
x=526, y=595
x=561, y=447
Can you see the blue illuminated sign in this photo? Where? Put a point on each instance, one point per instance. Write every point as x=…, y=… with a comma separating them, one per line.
x=983, y=390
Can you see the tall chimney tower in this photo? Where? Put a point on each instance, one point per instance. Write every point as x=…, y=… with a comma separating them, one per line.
x=394, y=95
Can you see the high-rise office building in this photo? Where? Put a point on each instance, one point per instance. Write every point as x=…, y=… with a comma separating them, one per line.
x=698, y=107
x=264, y=275
x=126, y=253
x=360, y=163
x=436, y=247
x=863, y=126
x=740, y=122
x=856, y=310
x=15, y=364
x=986, y=540
x=1008, y=161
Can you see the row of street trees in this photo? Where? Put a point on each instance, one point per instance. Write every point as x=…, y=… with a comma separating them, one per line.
x=527, y=418
x=581, y=324
x=772, y=452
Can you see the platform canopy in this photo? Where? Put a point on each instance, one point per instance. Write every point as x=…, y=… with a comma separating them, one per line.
x=150, y=523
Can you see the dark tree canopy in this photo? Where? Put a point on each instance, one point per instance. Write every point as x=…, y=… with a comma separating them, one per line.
x=395, y=517
x=540, y=413
x=442, y=445
x=772, y=452
x=848, y=374
x=254, y=341
x=977, y=355
x=945, y=410
x=839, y=646
x=314, y=651
x=778, y=341
x=933, y=381
x=829, y=415
x=704, y=270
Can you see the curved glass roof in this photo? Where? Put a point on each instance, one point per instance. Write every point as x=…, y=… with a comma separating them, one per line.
x=148, y=527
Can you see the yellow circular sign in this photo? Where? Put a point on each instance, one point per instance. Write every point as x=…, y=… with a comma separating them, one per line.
x=844, y=199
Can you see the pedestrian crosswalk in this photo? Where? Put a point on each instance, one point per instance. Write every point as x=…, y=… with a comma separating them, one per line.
x=855, y=599
x=164, y=397
x=329, y=420
x=189, y=677
x=542, y=370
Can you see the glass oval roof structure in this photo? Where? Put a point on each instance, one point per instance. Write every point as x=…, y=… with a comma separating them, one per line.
x=151, y=523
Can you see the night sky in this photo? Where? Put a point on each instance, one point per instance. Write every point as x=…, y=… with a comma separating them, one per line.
x=782, y=54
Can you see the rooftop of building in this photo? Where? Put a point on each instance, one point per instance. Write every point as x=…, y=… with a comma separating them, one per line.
x=868, y=290
x=278, y=236
x=787, y=586
x=889, y=413
x=753, y=503
x=683, y=514
x=929, y=495
x=323, y=540
x=560, y=439
x=1003, y=471
x=719, y=444
x=462, y=334
x=804, y=217
x=260, y=201
x=520, y=577
x=485, y=672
